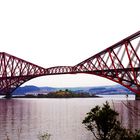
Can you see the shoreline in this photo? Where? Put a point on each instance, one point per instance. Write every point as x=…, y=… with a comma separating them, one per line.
x=36, y=97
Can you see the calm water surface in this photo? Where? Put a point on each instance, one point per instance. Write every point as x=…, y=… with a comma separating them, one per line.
x=23, y=119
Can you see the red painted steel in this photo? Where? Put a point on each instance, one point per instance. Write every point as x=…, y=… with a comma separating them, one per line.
x=15, y=71
x=59, y=70
x=119, y=63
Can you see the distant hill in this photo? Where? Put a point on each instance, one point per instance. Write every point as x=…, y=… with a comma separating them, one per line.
x=110, y=90
x=102, y=90
x=33, y=89
x=26, y=89
x=48, y=89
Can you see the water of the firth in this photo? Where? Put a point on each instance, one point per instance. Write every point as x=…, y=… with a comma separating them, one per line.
x=24, y=119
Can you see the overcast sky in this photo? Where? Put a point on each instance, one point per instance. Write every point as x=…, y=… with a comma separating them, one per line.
x=65, y=32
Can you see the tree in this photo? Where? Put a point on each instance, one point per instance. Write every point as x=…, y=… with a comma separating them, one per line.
x=103, y=123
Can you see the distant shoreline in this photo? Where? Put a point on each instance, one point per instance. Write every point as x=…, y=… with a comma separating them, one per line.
x=36, y=97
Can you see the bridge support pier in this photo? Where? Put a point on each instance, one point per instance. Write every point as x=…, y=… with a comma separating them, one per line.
x=8, y=96
x=137, y=97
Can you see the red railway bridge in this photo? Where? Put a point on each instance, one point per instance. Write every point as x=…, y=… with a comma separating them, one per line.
x=119, y=63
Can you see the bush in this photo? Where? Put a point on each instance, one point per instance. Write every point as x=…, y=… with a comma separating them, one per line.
x=44, y=136
x=104, y=125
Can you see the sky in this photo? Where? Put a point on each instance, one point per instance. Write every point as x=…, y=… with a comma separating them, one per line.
x=64, y=33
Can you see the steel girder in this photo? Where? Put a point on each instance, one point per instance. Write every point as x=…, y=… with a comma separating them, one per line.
x=59, y=70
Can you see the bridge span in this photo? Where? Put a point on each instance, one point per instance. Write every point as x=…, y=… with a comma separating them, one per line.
x=119, y=63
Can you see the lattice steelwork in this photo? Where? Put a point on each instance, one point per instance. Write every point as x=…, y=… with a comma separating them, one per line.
x=119, y=63
x=60, y=70
x=15, y=71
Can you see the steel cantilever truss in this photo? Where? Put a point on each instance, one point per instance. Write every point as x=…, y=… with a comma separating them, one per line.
x=119, y=63
x=15, y=71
